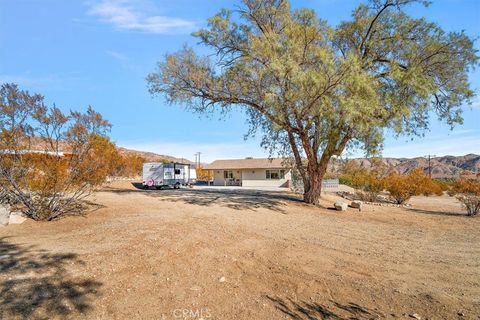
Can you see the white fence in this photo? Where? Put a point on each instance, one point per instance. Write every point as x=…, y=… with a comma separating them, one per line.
x=327, y=184
x=330, y=183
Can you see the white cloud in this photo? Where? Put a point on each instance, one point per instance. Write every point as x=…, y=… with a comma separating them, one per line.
x=117, y=55
x=210, y=151
x=128, y=15
x=124, y=61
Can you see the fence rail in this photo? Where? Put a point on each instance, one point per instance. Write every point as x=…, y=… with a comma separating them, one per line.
x=330, y=183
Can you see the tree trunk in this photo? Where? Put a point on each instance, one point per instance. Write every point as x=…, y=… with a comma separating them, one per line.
x=313, y=189
x=313, y=173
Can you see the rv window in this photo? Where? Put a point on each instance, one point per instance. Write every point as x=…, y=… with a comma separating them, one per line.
x=177, y=171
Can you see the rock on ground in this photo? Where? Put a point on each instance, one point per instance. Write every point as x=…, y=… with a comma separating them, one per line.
x=4, y=215
x=16, y=218
x=340, y=206
x=357, y=204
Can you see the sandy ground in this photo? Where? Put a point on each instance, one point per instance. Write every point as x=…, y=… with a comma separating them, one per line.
x=242, y=254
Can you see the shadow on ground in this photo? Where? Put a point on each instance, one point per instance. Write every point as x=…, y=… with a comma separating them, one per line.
x=35, y=284
x=437, y=213
x=313, y=311
x=238, y=199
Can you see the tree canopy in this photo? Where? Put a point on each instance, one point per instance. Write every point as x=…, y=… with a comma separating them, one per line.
x=313, y=89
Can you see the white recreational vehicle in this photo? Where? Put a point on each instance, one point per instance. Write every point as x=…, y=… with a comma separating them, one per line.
x=159, y=175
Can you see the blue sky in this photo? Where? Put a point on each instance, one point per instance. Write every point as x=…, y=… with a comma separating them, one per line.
x=99, y=52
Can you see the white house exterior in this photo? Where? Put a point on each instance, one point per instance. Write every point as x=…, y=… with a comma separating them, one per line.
x=251, y=172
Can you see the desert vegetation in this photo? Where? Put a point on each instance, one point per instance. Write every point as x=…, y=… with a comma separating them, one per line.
x=204, y=175
x=49, y=160
x=467, y=191
x=399, y=188
x=368, y=183
x=116, y=163
x=402, y=187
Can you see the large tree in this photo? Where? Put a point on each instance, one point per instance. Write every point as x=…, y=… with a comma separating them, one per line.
x=315, y=90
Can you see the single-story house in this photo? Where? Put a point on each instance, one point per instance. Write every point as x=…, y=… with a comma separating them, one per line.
x=250, y=172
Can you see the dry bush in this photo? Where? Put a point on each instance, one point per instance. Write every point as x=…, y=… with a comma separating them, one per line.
x=468, y=193
x=49, y=160
x=369, y=183
x=348, y=171
x=444, y=185
x=404, y=186
x=128, y=165
x=204, y=175
x=113, y=163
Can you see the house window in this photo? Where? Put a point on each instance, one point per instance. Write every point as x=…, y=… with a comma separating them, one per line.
x=228, y=174
x=177, y=171
x=275, y=174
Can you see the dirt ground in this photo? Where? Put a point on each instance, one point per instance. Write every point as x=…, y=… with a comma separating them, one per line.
x=242, y=254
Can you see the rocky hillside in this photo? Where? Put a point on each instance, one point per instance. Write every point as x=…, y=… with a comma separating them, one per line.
x=442, y=167
x=153, y=157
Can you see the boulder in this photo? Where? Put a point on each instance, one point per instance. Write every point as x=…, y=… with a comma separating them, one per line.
x=357, y=204
x=4, y=215
x=340, y=206
x=16, y=218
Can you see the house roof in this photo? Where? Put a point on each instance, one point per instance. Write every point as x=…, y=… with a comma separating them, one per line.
x=248, y=163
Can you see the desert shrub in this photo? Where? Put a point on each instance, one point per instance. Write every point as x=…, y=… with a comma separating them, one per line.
x=113, y=162
x=350, y=168
x=346, y=179
x=49, y=161
x=468, y=193
x=402, y=187
x=204, y=175
x=444, y=185
x=368, y=183
x=129, y=165
x=330, y=175
x=117, y=164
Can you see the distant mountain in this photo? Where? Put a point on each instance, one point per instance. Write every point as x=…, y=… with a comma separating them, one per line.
x=39, y=145
x=152, y=157
x=442, y=167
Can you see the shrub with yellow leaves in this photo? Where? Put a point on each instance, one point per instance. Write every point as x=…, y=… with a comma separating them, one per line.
x=402, y=187
x=49, y=161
